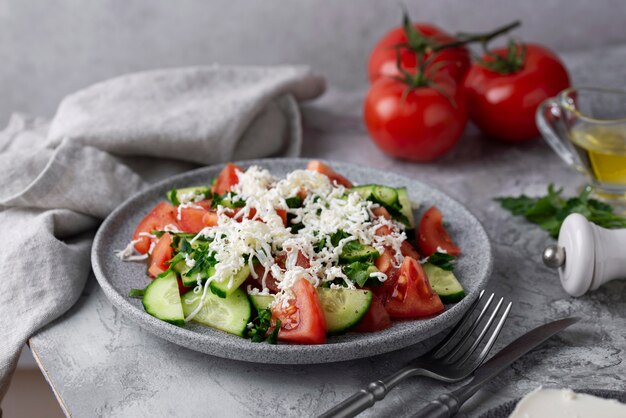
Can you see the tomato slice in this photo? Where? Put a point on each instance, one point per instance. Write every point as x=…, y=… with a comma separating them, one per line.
x=226, y=179
x=381, y=211
x=432, y=235
x=162, y=253
x=163, y=214
x=334, y=177
x=283, y=215
x=192, y=219
x=384, y=262
x=413, y=297
x=302, y=321
x=375, y=319
x=210, y=218
x=408, y=250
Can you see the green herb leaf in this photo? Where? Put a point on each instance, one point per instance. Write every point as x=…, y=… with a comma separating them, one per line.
x=136, y=293
x=550, y=211
x=261, y=324
x=337, y=237
x=173, y=196
x=294, y=202
x=273, y=338
x=359, y=272
x=442, y=260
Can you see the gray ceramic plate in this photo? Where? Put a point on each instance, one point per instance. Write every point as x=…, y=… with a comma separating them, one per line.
x=117, y=277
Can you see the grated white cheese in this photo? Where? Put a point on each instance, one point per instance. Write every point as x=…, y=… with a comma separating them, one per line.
x=324, y=211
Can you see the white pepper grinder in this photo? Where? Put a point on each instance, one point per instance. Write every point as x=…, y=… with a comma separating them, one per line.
x=587, y=255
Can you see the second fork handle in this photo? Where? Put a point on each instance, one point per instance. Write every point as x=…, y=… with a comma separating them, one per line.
x=366, y=398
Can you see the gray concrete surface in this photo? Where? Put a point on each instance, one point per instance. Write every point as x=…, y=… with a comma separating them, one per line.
x=51, y=48
x=102, y=364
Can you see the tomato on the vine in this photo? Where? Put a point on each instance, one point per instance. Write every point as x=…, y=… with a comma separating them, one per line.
x=383, y=61
x=415, y=123
x=504, y=93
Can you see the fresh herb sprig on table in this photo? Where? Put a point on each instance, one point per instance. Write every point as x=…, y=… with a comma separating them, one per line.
x=550, y=211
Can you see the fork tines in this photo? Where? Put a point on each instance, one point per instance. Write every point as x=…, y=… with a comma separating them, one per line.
x=461, y=343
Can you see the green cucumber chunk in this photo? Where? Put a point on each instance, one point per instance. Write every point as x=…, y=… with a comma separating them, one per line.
x=188, y=194
x=192, y=279
x=228, y=285
x=162, y=300
x=365, y=190
x=386, y=196
x=355, y=251
x=343, y=308
x=444, y=283
x=405, y=207
x=230, y=314
x=261, y=302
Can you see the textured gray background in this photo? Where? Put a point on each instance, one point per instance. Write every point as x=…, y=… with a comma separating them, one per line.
x=51, y=48
x=102, y=364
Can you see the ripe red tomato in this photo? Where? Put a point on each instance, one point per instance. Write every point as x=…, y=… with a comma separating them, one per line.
x=503, y=105
x=192, y=219
x=303, y=320
x=421, y=124
x=376, y=318
x=413, y=297
x=162, y=253
x=226, y=179
x=383, y=59
x=334, y=177
x=432, y=235
x=163, y=214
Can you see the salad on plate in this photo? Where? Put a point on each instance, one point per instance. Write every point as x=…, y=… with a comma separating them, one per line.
x=292, y=259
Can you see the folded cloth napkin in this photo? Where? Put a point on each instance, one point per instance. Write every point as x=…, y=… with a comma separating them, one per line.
x=59, y=179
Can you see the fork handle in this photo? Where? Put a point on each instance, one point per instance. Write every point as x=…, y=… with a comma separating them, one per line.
x=358, y=402
x=445, y=406
x=374, y=392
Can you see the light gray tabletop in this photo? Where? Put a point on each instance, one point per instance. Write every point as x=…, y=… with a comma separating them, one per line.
x=102, y=364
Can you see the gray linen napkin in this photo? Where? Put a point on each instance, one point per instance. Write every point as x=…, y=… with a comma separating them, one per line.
x=59, y=179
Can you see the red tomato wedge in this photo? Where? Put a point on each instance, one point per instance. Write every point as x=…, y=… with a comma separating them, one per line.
x=334, y=177
x=283, y=215
x=210, y=218
x=381, y=211
x=413, y=297
x=162, y=253
x=384, y=262
x=192, y=219
x=226, y=179
x=408, y=250
x=375, y=319
x=163, y=214
x=431, y=234
x=302, y=321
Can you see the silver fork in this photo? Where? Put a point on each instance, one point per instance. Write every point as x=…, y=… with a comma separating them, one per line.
x=449, y=361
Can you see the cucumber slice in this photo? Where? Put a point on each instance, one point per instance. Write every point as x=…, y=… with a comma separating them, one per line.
x=162, y=300
x=444, y=283
x=188, y=194
x=357, y=252
x=230, y=314
x=192, y=280
x=227, y=286
x=261, y=302
x=405, y=206
x=343, y=308
x=386, y=196
x=365, y=190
